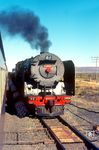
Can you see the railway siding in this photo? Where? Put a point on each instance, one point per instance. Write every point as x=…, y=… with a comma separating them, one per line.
x=84, y=120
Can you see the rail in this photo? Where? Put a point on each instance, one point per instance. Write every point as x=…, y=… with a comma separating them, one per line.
x=60, y=144
x=87, y=142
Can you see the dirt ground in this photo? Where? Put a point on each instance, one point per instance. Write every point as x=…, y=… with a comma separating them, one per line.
x=87, y=94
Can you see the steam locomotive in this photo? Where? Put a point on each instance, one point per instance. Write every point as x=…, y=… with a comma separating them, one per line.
x=45, y=83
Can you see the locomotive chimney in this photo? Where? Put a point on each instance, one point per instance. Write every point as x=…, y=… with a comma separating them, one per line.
x=42, y=52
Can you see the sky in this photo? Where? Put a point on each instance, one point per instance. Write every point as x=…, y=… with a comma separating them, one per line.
x=73, y=28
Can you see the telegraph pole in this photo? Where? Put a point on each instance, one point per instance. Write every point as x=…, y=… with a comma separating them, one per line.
x=96, y=60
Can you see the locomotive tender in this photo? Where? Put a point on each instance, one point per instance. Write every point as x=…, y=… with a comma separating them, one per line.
x=45, y=83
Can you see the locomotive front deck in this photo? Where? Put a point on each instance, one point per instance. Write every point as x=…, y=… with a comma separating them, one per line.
x=48, y=105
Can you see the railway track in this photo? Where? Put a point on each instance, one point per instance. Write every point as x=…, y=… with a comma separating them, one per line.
x=82, y=108
x=28, y=133
x=83, y=117
x=66, y=135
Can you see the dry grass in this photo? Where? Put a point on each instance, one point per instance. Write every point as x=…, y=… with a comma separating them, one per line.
x=87, y=94
x=84, y=88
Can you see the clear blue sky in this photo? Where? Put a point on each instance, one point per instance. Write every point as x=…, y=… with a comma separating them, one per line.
x=73, y=27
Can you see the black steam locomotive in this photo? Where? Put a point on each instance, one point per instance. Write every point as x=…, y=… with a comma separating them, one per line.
x=45, y=83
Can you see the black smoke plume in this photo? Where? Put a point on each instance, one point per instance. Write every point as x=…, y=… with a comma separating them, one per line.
x=27, y=24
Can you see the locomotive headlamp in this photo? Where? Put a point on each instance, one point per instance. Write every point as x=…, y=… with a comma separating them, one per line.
x=48, y=57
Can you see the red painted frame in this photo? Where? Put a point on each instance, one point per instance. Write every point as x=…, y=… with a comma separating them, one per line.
x=43, y=100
